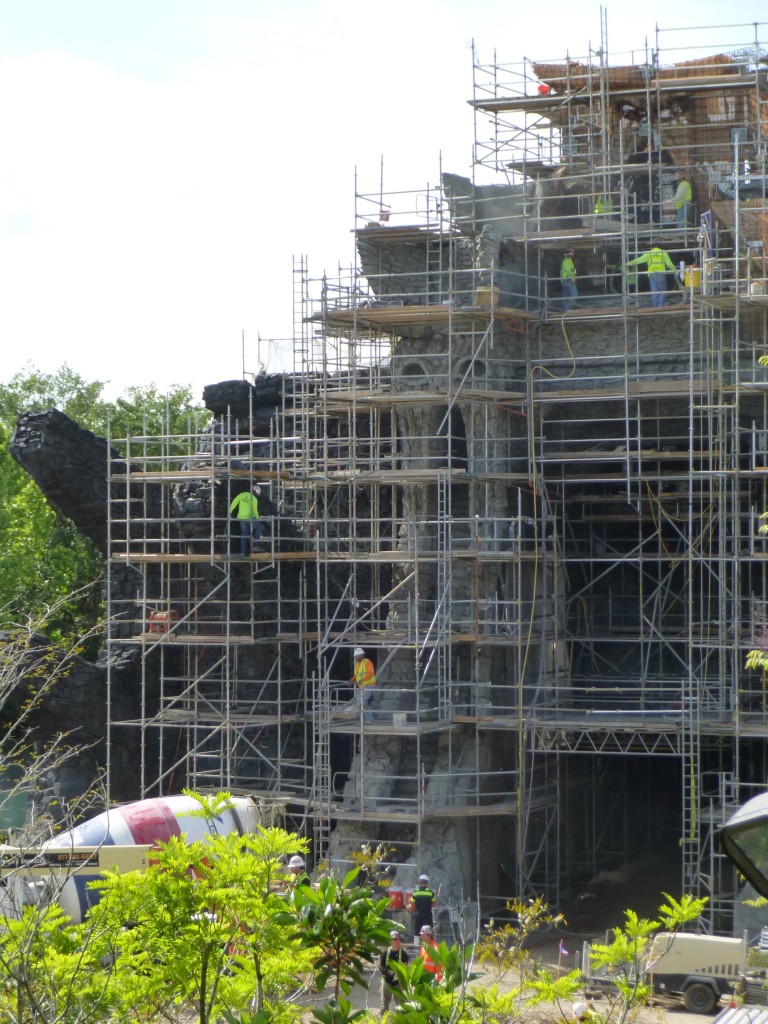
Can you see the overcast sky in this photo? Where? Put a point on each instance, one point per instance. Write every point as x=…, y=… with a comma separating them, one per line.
x=164, y=161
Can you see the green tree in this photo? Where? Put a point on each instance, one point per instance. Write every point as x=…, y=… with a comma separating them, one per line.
x=439, y=1002
x=138, y=411
x=504, y=946
x=31, y=390
x=620, y=962
x=43, y=558
x=44, y=968
x=146, y=412
x=343, y=927
x=48, y=972
x=201, y=927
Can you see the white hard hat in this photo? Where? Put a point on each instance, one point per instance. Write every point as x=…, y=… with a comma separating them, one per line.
x=423, y=878
x=257, y=491
x=295, y=862
x=425, y=930
x=579, y=1009
x=358, y=652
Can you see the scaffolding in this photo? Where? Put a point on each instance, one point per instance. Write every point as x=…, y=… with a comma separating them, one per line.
x=540, y=523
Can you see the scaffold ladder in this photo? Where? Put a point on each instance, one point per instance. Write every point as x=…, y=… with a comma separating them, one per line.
x=321, y=831
x=691, y=782
x=444, y=578
x=434, y=291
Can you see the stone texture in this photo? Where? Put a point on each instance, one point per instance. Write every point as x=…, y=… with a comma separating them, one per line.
x=69, y=464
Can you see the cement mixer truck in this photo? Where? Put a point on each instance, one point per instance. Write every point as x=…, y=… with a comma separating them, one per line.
x=121, y=838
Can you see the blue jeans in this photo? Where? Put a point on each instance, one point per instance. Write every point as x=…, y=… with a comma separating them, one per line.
x=250, y=532
x=658, y=288
x=363, y=695
x=682, y=215
x=569, y=293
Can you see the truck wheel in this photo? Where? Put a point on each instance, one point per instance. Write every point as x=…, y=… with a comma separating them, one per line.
x=699, y=998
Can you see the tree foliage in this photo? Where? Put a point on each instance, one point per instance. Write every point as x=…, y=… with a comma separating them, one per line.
x=622, y=961
x=503, y=945
x=43, y=558
x=201, y=927
x=344, y=927
x=198, y=931
x=438, y=1002
x=41, y=955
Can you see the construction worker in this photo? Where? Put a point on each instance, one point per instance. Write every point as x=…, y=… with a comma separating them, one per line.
x=683, y=200
x=421, y=902
x=431, y=963
x=298, y=872
x=389, y=982
x=658, y=263
x=603, y=209
x=583, y=1013
x=246, y=506
x=568, y=280
x=604, y=204
x=364, y=678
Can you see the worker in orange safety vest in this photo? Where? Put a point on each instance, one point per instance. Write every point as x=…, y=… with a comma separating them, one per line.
x=433, y=966
x=364, y=678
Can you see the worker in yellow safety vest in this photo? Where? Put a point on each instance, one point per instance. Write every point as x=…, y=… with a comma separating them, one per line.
x=245, y=506
x=683, y=200
x=658, y=263
x=568, y=280
x=364, y=678
x=604, y=204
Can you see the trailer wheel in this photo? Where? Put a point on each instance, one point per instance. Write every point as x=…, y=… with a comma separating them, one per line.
x=700, y=998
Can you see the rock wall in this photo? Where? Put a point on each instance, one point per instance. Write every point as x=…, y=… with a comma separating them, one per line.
x=69, y=464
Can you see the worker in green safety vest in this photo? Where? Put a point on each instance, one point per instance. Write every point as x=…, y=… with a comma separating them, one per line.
x=658, y=263
x=245, y=506
x=603, y=210
x=683, y=200
x=568, y=280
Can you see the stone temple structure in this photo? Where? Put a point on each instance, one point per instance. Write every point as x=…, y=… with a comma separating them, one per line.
x=540, y=522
